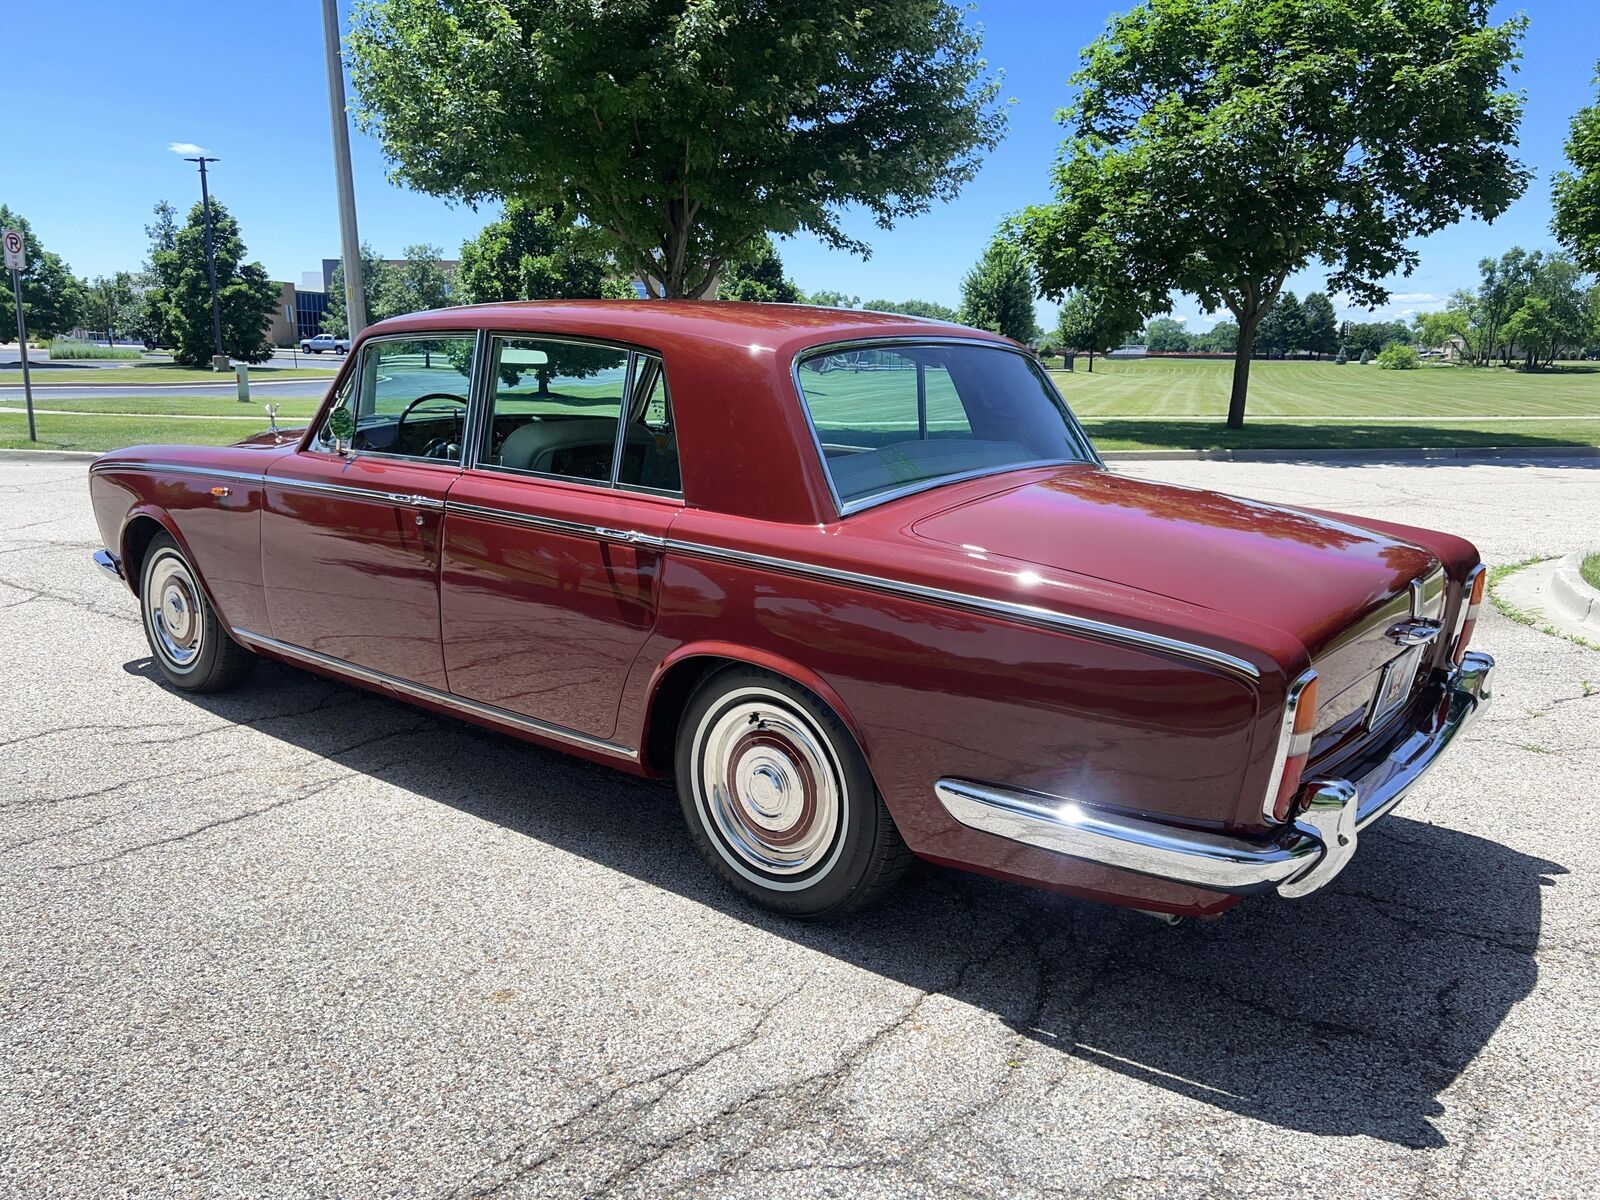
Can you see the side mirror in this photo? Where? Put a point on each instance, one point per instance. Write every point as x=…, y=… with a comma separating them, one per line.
x=340, y=429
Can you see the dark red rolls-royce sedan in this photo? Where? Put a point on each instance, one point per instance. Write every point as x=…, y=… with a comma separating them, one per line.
x=858, y=583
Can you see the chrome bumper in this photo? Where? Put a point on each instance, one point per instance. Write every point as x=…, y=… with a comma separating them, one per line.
x=1296, y=862
x=110, y=564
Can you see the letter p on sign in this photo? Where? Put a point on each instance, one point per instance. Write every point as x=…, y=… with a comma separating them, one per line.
x=16, y=250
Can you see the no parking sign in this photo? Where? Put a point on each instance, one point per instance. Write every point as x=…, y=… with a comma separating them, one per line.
x=16, y=250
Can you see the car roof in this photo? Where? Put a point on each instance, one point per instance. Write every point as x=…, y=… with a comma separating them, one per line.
x=774, y=326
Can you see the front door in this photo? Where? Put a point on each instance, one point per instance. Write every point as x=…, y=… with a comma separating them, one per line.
x=554, y=538
x=352, y=527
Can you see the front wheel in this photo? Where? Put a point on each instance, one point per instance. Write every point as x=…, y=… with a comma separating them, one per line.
x=188, y=642
x=779, y=800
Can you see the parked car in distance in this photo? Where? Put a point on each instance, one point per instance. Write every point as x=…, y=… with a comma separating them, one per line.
x=325, y=342
x=857, y=582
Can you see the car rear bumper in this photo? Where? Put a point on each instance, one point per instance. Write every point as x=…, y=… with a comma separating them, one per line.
x=1295, y=862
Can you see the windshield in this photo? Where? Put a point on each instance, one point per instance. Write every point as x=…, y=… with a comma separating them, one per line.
x=893, y=417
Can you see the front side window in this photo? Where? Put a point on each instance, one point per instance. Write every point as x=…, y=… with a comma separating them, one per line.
x=889, y=417
x=406, y=397
x=580, y=411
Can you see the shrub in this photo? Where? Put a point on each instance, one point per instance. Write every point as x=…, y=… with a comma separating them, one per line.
x=1366, y=357
x=65, y=348
x=1397, y=356
x=1342, y=359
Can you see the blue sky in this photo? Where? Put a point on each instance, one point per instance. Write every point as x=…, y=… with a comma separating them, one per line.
x=104, y=88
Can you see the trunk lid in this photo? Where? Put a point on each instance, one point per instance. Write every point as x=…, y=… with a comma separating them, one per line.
x=1336, y=587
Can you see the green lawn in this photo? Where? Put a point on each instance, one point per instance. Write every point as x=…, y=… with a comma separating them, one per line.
x=44, y=375
x=1323, y=390
x=1126, y=405
x=1590, y=570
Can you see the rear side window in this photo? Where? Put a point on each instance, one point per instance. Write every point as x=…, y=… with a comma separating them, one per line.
x=580, y=411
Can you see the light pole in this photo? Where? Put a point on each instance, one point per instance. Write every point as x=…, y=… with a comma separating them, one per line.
x=355, y=302
x=211, y=262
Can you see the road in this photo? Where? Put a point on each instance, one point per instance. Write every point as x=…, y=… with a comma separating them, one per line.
x=299, y=940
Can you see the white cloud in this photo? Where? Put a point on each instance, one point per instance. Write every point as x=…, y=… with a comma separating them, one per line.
x=1414, y=297
x=185, y=148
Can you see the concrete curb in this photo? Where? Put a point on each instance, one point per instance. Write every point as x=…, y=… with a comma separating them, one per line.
x=1408, y=454
x=1572, y=596
x=51, y=455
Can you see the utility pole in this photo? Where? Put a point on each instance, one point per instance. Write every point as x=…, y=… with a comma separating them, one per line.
x=355, y=302
x=211, y=266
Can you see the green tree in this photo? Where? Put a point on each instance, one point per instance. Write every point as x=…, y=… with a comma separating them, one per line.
x=757, y=275
x=1320, y=324
x=163, y=235
x=684, y=131
x=113, y=303
x=1576, y=193
x=915, y=308
x=827, y=299
x=1218, y=146
x=534, y=253
x=1282, y=329
x=377, y=290
x=1094, y=323
x=51, y=297
x=1398, y=356
x=1221, y=338
x=1553, y=317
x=1165, y=334
x=418, y=282
x=997, y=294
x=182, y=291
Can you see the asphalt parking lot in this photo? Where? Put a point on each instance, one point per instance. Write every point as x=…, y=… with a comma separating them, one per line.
x=301, y=940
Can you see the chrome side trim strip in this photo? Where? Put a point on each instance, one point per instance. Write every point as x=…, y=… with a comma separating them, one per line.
x=543, y=729
x=1031, y=614
x=99, y=466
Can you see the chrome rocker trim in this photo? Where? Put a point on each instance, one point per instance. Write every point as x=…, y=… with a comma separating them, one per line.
x=338, y=666
x=1295, y=863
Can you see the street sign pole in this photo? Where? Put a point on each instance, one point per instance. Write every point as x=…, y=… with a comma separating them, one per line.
x=16, y=257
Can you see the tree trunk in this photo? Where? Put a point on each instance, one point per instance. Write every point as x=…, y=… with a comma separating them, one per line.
x=1241, y=369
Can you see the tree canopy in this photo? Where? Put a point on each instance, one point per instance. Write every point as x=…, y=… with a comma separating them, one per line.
x=1218, y=146
x=1531, y=306
x=915, y=308
x=997, y=294
x=1094, y=323
x=682, y=130
x=757, y=275
x=51, y=296
x=182, y=291
x=534, y=253
x=1576, y=193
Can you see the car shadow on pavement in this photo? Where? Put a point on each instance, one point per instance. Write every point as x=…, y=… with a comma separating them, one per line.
x=1349, y=1012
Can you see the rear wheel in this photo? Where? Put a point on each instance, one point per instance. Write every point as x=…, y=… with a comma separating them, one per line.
x=188, y=642
x=779, y=800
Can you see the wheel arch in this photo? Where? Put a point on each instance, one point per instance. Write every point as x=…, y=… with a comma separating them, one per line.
x=139, y=529
x=678, y=675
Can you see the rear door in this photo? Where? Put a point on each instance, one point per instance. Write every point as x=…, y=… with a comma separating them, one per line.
x=351, y=535
x=555, y=535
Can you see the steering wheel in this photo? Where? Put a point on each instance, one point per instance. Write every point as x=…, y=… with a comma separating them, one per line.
x=400, y=425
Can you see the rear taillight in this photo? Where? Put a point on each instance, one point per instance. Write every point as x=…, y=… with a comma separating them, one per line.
x=1294, y=745
x=1475, y=585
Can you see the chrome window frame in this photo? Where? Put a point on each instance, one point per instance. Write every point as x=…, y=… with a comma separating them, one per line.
x=844, y=508
x=351, y=374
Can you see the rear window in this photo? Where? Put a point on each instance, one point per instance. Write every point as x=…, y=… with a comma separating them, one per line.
x=895, y=417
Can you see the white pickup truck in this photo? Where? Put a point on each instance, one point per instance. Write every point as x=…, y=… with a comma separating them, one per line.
x=325, y=341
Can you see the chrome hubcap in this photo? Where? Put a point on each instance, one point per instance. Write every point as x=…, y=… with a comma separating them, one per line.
x=770, y=787
x=173, y=611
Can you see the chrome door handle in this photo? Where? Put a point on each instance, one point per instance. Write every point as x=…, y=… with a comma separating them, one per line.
x=631, y=536
x=412, y=500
